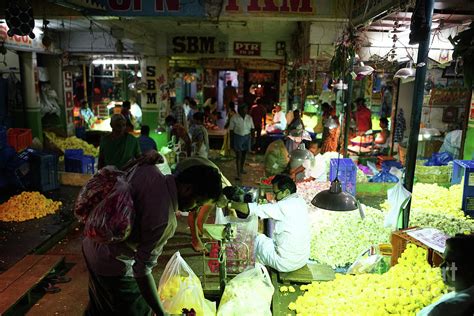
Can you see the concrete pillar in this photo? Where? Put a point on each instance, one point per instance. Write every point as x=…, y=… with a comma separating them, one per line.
x=29, y=79
x=54, y=65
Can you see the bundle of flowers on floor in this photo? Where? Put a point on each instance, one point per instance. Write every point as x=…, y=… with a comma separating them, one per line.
x=26, y=206
x=404, y=290
x=339, y=237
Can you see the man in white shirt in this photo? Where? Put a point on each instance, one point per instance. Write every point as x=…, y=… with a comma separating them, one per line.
x=186, y=105
x=136, y=110
x=279, y=121
x=289, y=248
x=241, y=128
x=458, y=272
x=312, y=169
x=452, y=143
x=315, y=168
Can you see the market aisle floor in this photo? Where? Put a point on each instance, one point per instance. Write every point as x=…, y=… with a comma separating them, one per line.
x=73, y=298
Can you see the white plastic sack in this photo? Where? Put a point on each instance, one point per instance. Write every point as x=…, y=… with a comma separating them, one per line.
x=180, y=288
x=365, y=263
x=372, y=167
x=396, y=172
x=397, y=196
x=249, y=293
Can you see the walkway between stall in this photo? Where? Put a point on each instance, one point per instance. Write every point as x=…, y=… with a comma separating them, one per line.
x=73, y=297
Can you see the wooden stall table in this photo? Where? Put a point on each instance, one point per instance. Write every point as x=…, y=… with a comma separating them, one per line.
x=401, y=238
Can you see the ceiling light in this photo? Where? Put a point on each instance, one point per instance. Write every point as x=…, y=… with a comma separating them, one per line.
x=115, y=62
x=363, y=70
x=406, y=72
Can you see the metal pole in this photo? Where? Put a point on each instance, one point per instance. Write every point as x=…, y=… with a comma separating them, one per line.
x=418, y=94
x=84, y=79
x=348, y=106
x=393, y=116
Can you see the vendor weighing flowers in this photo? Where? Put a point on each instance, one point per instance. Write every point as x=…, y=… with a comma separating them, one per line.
x=289, y=248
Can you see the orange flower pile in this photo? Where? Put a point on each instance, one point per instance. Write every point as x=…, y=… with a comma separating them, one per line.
x=26, y=206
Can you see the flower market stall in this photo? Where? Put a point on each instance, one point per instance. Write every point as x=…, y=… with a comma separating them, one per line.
x=339, y=239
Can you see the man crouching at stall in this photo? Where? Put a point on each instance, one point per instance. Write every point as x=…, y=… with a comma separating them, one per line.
x=289, y=248
x=121, y=280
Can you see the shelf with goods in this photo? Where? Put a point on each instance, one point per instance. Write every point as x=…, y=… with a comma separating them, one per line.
x=433, y=205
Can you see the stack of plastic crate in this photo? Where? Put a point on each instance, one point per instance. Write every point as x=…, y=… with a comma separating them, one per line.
x=19, y=138
x=43, y=170
x=75, y=161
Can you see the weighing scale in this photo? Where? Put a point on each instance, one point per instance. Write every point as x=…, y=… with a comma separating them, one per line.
x=221, y=235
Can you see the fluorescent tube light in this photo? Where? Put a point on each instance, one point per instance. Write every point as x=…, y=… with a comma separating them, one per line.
x=115, y=62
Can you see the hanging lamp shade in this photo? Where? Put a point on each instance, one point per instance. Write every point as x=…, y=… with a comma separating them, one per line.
x=335, y=199
x=364, y=70
x=406, y=72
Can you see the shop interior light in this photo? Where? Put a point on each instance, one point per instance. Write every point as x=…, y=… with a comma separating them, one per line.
x=115, y=62
x=406, y=72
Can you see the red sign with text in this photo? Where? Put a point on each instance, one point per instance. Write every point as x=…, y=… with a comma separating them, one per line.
x=247, y=48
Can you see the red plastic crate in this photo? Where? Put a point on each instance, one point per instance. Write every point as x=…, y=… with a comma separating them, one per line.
x=19, y=138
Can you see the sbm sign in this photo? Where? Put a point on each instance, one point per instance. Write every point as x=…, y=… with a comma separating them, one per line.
x=151, y=85
x=194, y=44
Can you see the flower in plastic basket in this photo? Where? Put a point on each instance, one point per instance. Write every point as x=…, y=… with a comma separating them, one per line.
x=405, y=289
x=26, y=206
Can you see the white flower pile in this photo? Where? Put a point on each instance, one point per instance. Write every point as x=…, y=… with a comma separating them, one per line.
x=339, y=237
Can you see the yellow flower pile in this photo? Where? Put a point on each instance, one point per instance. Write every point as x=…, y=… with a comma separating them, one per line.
x=404, y=290
x=26, y=206
x=72, y=143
